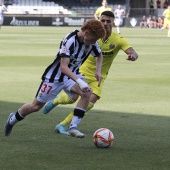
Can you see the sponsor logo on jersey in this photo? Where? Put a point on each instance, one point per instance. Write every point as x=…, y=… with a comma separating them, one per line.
x=40, y=94
x=112, y=46
x=105, y=54
x=86, y=49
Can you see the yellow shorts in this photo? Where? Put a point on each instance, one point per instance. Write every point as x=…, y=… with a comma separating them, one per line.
x=92, y=81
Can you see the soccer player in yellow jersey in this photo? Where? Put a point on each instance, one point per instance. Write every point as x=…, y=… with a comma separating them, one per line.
x=99, y=10
x=110, y=47
x=166, y=14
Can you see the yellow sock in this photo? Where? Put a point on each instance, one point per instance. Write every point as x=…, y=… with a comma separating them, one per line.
x=68, y=119
x=90, y=106
x=169, y=33
x=63, y=99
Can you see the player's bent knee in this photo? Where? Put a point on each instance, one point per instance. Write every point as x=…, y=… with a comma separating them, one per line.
x=87, y=94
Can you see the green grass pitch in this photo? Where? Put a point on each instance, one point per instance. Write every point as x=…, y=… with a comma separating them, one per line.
x=135, y=105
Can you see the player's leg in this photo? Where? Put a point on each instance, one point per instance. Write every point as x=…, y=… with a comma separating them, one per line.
x=165, y=24
x=45, y=92
x=169, y=29
x=117, y=25
x=1, y=21
x=118, y=29
x=79, y=111
x=120, y=24
x=61, y=99
x=25, y=110
x=61, y=127
x=68, y=119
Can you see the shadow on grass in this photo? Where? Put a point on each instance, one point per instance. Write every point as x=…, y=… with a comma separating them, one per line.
x=141, y=141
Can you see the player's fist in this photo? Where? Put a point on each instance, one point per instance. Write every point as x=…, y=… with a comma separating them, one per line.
x=131, y=57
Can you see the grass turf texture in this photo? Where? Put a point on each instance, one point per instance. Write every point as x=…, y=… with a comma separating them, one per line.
x=134, y=105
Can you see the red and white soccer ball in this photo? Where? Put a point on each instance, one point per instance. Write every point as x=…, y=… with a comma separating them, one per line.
x=103, y=138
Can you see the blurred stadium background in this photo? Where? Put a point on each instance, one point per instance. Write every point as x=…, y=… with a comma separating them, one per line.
x=70, y=12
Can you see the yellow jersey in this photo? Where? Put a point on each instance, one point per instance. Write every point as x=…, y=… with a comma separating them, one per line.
x=167, y=14
x=110, y=48
x=102, y=9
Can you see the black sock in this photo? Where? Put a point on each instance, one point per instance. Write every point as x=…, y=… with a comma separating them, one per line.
x=18, y=116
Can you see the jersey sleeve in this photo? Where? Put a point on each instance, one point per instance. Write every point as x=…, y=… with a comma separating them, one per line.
x=65, y=48
x=96, y=50
x=124, y=44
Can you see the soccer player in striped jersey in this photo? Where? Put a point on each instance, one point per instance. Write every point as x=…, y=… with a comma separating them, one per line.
x=110, y=46
x=63, y=74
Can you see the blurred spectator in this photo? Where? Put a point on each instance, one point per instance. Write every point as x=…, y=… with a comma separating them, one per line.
x=119, y=15
x=158, y=3
x=143, y=22
x=154, y=22
x=165, y=4
x=101, y=9
x=149, y=21
x=160, y=23
x=151, y=6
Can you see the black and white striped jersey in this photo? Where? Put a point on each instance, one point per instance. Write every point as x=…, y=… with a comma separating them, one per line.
x=77, y=52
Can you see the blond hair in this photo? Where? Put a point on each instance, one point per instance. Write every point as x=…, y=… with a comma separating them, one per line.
x=95, y=27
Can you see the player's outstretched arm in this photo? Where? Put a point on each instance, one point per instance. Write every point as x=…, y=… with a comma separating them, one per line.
x=132, y=54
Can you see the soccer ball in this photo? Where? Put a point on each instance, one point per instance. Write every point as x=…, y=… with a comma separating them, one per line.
x=103, y=138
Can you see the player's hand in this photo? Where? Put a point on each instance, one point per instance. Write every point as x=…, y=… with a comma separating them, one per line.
x=131, y=57
x=83, y=85
x=99, y=78
x=87, y=89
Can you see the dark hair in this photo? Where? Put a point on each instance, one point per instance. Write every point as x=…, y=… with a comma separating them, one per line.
x=108, y=13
